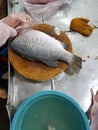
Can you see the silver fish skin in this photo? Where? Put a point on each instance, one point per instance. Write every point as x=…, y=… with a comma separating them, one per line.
x=38, y=46
x=94, y=113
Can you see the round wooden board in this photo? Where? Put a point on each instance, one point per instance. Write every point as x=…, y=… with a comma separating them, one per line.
x=38, y=71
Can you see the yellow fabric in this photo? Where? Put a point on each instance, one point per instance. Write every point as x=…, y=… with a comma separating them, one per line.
x=81, y=25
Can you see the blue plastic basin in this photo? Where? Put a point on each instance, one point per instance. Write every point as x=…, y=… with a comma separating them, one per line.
x=49, y=109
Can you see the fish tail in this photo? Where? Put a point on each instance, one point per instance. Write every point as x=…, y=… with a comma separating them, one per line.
x=74, y=64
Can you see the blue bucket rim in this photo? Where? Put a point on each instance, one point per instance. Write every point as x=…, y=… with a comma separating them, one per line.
x=45, y=93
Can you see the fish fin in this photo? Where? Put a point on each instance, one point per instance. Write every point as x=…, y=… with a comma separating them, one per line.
x=51, y=63
x=65, y=45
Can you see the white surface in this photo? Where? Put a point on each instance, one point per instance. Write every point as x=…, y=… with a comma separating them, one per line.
x=77, y=86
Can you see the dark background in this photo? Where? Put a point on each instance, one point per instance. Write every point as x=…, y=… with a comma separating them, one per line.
x=4, y=120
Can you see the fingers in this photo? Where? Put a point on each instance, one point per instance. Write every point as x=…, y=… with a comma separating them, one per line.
x=11, y=21
x=18, y=22
x=27, y=20
x=15, y=20
x=24, y=21
x=22, y=18
x=6, y=32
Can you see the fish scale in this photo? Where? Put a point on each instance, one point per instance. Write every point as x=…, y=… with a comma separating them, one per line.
x=35, y=45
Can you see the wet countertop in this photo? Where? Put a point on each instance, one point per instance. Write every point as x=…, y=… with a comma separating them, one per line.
x=77, y=86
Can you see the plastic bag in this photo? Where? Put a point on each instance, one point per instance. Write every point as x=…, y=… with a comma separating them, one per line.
x=39, y=12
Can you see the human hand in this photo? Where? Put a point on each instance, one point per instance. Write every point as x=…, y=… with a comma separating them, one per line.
x=18, y=21
x=6, y=32
x=81, y=25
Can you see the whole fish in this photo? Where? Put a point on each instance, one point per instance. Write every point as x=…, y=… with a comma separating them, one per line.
x=38, y=46
x=94, y=113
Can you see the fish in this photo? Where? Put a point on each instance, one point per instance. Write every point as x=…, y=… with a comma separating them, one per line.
x=94, y=112
x=35, y=45
x=43, y=9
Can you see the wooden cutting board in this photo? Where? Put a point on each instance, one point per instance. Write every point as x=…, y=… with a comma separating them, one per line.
x=38, y=71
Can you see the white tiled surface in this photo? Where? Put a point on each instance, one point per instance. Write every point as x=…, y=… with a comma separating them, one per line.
x=77, y=86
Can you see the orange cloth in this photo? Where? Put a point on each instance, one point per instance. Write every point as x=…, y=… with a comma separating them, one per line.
x=81, y=25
